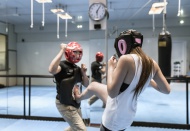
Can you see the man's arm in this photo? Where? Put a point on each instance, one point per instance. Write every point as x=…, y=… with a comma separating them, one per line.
x=54, y=67
x=103, y=70
x=85, y=80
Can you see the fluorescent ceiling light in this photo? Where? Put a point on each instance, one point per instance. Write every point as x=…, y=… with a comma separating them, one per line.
x=79, y=26
x=44, y=1
x=180, y=12
x=181, y=21
x=65, y=16
x=155, y=11
x=57, y=11
x=157, y=8
x=79, y=17
x=160, y=4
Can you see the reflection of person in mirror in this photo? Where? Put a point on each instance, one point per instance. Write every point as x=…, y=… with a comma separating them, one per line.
x=67, y=75
x=98, y=70
x=127, y=78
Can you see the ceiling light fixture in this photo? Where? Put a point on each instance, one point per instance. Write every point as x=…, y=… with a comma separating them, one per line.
x=65, y=16
x=60, y=12
x=73, y=21
x=181, y=21
x=181, y=11
x=79, y=17
x=44, y=1
x=157, y=8
x=58, y=9
x=79, y=26
x=43, y=9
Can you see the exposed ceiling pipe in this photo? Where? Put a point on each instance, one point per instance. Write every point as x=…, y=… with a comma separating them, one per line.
x=43, y=14
x=66, y=27
x=32, y=6
x=179, y=6
x=57, y=26
x=7, y=25
x=153, y=23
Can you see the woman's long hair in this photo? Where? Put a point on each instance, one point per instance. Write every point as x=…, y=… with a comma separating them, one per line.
x=147, y=66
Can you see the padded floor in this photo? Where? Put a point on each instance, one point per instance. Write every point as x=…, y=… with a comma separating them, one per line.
x=152, y=107
x=34, y=125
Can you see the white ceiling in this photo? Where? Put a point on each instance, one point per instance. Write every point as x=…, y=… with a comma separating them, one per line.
x=19, y=11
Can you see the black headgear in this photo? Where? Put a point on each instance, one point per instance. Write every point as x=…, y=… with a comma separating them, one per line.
x=127, y=40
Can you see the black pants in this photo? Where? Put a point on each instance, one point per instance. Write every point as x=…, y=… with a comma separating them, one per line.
x=103, y=128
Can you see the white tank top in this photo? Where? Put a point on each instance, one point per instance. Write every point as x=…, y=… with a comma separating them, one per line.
x=120, y=111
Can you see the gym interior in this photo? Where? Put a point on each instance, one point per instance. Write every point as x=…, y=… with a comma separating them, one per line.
x=27, y=89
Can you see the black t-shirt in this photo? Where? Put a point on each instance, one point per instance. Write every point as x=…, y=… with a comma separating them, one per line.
x=69, y=75
x=95, y=69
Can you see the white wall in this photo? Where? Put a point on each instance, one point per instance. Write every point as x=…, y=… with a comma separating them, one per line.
x=34, y=58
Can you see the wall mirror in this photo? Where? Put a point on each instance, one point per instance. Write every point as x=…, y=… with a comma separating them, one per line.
x=3, y=52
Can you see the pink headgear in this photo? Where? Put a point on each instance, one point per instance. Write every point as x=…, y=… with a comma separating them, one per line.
x=99, y=56
x=70, y=50
x=127, y=40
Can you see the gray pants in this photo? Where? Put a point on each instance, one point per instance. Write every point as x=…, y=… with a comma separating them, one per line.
x=71, y=115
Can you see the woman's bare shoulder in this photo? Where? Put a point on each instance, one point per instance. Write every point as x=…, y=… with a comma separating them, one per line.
x=127, y=58
x=125, y=61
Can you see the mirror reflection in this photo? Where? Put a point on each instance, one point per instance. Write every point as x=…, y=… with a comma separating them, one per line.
x=2, y=52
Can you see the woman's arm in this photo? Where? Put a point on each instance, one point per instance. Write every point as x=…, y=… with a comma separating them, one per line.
x=159, y=81
x=116, y=74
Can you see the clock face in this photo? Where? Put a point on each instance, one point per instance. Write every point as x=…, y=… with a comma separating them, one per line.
x=97, y=11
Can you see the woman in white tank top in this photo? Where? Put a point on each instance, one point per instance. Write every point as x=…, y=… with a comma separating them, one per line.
x=127, y=77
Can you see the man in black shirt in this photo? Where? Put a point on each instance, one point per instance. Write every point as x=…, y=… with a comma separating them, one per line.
x=98, y=73
x=68, y=75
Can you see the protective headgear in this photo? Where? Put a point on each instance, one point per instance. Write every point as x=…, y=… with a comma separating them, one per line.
x=99, y=56
x=73, y=52
x=126, y=41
